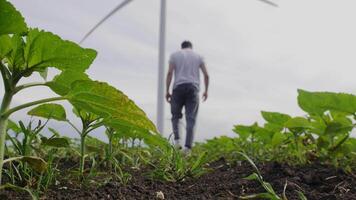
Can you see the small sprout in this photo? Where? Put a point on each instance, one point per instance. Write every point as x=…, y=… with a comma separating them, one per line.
x=159, y=195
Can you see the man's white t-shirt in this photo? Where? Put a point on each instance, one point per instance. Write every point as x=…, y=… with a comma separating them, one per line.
x=187, y=64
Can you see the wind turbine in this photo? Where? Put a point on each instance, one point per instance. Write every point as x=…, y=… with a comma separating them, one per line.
x=161, y=55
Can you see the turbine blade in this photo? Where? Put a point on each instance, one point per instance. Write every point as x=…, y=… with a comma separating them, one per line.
x=269, y=3
x=121, y=5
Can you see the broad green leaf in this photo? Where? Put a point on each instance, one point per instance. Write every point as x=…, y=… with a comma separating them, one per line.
x=351, y=144
x=337, y=128
x=263, y=135
x=106, y=101
x=61, y=84
x=278, y=138
x=318, y=124
x=275, y=117
x=11, y=20
x=339, y=142
x=298, y=122
x=273, y=127
x=55, y=142
x=319, y=102
x=323, y=142
x=245, y=131
x=49, y=111
x=36, y=163
x=45, y=49
x=150, y=138
x=5, y=45
x=16, y=58
x=258, y=133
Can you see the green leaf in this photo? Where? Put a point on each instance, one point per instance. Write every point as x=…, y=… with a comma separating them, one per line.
x=245, y=131
x=54, y=131
x=333, y=128
x=45, y=49
x=263, y=135
x=61, y=84
x=351, y=144
x=16, y=58
x=197, y=164
x=251, y=163
x=106, y=101
x=11, y=20
x=152, y=139
x=11, y=125
x=273, y=127
x=275, y=117
x=252, y=177
x=278, y=138
x=298, y=122
x=5, y=45
x=86, y=116
x=319, y=102
x=49, y=111
x=56, y=142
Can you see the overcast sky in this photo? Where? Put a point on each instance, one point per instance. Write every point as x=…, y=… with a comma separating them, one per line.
x=257, y=55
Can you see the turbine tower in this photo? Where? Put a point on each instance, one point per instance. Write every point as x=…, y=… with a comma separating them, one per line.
x=161, y=53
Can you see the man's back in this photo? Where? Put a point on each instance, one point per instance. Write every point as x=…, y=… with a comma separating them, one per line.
x=187, y=64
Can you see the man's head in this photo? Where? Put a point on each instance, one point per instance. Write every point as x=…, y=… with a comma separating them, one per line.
x=187, y=45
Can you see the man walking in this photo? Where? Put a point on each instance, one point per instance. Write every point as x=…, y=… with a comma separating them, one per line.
x=186, y=66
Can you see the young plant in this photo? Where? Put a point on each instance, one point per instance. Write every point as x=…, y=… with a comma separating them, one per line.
x=270, y=193
x=24, y=51
x=90, y=122
x=175, y=166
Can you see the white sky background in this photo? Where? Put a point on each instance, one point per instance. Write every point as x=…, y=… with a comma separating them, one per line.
x=257, y=55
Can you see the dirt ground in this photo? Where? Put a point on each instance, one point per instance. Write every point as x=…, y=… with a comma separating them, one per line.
x=317, y=182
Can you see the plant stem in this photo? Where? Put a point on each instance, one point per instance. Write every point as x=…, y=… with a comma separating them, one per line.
x=3, y=125
x=110, y=151
x=28, y=85
x=82, y=150
x=74, y=127
x=6, y=113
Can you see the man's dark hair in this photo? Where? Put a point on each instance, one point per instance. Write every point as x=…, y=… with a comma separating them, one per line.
x=186, y=44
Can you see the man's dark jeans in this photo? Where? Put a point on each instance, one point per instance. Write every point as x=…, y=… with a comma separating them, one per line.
x=186, y=95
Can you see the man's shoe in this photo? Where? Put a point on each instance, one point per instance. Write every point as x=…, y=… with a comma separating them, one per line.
x=186, y=151
x=177, y=144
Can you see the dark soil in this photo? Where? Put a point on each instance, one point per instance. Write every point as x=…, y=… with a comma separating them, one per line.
x=316, y=182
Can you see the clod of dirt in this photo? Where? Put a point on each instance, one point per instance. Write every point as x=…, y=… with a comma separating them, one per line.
x=160, y=195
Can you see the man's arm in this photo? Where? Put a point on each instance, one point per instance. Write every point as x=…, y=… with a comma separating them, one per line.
x=206, y=81
x=168, y=82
